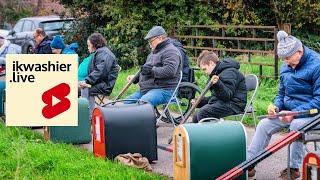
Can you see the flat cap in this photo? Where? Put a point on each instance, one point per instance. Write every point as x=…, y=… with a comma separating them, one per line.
x=155, y=31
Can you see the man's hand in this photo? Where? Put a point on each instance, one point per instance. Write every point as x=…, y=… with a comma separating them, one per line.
x=214, y=79
x=129, y=78
x=286, y=119
x=146, y=69
x=272, y=109
x=81, y=84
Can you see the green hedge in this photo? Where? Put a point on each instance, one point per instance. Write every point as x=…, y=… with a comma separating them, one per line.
x=125, y=23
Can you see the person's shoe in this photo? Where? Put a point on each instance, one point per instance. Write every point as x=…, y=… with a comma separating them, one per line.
x=294, y=174
x=251, y=174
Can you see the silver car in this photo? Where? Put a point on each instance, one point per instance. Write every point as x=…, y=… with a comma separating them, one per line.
x=22, y=33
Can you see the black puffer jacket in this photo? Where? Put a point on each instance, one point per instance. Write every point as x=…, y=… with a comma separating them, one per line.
x=102, y=72
x=231, y=86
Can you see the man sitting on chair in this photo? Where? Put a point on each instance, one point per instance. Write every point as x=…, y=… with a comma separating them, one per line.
x=299, y=89
x=103, y=70
x=160, y=74
x=228, y=93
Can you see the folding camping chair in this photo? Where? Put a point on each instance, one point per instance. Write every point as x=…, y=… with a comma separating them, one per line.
x=99, y=99
x=173, y=100
x=252, y=84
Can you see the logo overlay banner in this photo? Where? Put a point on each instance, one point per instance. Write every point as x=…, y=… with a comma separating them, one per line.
x=41, y=90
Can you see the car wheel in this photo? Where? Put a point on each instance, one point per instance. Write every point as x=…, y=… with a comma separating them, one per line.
x=30, y=50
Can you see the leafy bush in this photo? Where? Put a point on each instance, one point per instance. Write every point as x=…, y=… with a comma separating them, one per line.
x=126, y=23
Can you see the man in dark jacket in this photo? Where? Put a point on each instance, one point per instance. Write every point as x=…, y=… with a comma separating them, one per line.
x=228, y=93
x=43, y=42
x=299, y=89
x=103, y=70
x=160, y=74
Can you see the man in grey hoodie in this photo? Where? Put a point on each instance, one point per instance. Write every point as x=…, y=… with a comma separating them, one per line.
x=160, y=74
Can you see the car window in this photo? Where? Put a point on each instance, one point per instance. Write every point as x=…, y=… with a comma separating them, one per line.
x=5, y=26
x=33, y=26
x=56, y=25
x=18, y=27
x=27, y=26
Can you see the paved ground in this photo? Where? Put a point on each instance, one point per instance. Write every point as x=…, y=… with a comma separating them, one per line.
x=267, y=170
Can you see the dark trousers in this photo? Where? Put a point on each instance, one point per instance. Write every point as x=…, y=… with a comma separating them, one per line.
x=215, y=110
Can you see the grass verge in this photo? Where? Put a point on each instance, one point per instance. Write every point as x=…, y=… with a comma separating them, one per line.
x=25, y=155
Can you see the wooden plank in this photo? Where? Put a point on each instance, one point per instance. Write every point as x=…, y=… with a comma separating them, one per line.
x=268, y=77
x=226, y=38
x=256, y=63
x=230, y=50
x=241, y=62
x=181, y=159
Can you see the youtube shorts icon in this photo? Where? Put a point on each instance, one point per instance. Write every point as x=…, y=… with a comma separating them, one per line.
x=41, y=90
x=58, y=92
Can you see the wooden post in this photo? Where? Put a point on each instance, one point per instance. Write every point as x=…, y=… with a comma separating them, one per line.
x=275, y=53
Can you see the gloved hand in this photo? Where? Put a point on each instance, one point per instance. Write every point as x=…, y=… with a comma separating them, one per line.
x=146, y=69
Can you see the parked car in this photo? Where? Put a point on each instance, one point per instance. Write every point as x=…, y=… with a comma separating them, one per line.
x=22, y=33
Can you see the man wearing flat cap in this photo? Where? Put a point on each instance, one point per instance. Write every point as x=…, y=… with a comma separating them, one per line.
x=299, y=89
x=160, y=74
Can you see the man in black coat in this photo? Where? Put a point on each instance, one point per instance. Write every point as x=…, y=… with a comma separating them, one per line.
x=103, y=70
x=228, y=93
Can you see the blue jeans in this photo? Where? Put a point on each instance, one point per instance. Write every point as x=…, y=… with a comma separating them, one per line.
x=155, y=97
x=266, y=128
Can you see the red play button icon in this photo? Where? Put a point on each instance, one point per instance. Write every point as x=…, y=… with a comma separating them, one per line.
x=55, y=94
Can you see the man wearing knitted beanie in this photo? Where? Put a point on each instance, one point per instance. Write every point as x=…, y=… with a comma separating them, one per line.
x=299, y=89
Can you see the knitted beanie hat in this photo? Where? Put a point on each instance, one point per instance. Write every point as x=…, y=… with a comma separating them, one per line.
x=57, y=43
x=287, y=44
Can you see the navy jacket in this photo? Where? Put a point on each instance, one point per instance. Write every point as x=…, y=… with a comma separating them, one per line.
x=185, y=60
x=44, y=47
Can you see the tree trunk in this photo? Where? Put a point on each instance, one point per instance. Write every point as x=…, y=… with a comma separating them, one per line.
x=39, y=6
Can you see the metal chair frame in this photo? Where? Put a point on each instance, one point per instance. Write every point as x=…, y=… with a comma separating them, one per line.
x=173, y=99
x=311, y=136
x=252, y=84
